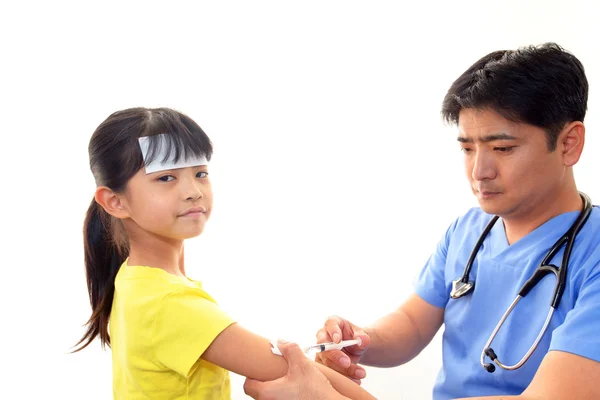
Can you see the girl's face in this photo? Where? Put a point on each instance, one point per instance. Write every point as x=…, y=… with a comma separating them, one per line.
x=174, y=204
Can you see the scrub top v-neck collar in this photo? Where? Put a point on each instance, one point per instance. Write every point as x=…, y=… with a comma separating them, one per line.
x=544, y=236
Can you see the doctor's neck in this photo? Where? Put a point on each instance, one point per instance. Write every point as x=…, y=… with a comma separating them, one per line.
x=541, y=210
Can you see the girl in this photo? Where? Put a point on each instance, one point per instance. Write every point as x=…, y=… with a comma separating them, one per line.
x=169, y=339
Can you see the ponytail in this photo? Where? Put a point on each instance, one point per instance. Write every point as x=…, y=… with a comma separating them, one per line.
x=106, y=248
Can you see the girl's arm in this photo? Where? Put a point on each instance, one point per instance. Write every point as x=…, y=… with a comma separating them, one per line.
x=245, y=353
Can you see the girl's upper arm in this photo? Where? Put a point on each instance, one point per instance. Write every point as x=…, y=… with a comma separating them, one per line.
x=240, y=351
x=245, y=353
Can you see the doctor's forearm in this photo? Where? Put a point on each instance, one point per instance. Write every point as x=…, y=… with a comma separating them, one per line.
x=394, y=341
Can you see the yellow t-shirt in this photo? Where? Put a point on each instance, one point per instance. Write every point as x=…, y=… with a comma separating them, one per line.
x=160, y=325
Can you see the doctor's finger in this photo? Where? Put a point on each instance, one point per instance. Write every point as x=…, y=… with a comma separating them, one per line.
x=335, y=327
x=334, y=357
x=354, y=372
x=323, y=336
x=253, y=388
x=358, y=350
x=293, y=355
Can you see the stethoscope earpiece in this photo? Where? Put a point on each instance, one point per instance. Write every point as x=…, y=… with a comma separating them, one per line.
x=489, y=367
x=492, y=355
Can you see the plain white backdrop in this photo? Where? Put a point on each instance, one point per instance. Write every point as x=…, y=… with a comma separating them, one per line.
x=334, y=176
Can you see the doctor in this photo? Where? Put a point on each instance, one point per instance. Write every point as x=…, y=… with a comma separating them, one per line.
x=520, y=117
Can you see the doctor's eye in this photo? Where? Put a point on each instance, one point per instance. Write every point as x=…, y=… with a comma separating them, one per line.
x=202, y=174
x=466, y=150
x=506, y=149
x=166, y=178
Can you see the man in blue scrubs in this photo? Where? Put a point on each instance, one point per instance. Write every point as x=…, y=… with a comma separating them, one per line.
x=520, y=117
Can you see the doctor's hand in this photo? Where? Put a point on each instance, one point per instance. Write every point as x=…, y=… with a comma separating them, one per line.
x=343, y=361
x=302, y=382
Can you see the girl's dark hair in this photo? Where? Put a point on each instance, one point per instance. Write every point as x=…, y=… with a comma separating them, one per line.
x=544, y=86
x=115, y=157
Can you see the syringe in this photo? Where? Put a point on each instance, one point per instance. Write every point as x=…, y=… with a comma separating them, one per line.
x=321, y=346
x=332, y=345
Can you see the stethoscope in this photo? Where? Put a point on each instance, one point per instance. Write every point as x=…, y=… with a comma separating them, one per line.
x=462, y=286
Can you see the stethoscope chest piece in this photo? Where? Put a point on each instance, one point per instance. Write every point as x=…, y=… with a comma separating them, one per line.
x=460, y=288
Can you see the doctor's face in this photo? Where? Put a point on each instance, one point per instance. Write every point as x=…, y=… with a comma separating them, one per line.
x=509, y=166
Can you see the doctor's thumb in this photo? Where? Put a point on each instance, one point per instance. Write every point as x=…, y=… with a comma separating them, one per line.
x=292, y=353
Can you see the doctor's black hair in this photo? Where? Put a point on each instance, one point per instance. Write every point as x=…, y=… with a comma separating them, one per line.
x=544, y=86
x=115, y=157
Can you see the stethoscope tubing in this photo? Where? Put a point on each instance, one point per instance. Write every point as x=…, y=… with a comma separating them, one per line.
x=463, y=286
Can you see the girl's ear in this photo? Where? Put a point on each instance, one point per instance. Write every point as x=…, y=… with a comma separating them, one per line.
x=111, y=202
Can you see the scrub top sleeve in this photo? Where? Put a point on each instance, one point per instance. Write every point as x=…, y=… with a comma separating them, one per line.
x=579, y=332
x=430, y=284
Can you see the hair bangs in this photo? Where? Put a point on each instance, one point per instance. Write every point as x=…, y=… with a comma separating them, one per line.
x=175, y=136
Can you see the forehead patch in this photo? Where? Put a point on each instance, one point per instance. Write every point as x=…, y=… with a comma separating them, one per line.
x=160, y=162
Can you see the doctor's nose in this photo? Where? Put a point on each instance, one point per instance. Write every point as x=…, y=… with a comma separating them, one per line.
x=484, y=168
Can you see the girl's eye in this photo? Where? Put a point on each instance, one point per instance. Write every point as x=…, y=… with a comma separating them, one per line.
x=166, y=178
x=202, y=174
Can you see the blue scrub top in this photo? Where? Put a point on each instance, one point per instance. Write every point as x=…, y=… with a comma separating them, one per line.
x=499, y=271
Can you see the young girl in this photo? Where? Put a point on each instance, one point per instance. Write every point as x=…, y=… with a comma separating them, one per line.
x=169, y=339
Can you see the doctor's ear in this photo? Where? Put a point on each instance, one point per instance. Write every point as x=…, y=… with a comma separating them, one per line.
x=111, y=202
x=570, y=142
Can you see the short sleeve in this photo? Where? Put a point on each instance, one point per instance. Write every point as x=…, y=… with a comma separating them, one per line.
x=578, y=334
x=186, y=323
x=430, y=284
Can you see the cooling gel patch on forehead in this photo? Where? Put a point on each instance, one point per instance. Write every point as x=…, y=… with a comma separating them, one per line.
x=160, y=161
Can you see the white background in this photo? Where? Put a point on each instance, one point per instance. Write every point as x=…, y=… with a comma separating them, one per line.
x=334, y=175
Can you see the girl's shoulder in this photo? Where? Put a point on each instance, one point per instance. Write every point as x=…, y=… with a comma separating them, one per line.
x=157, y=283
